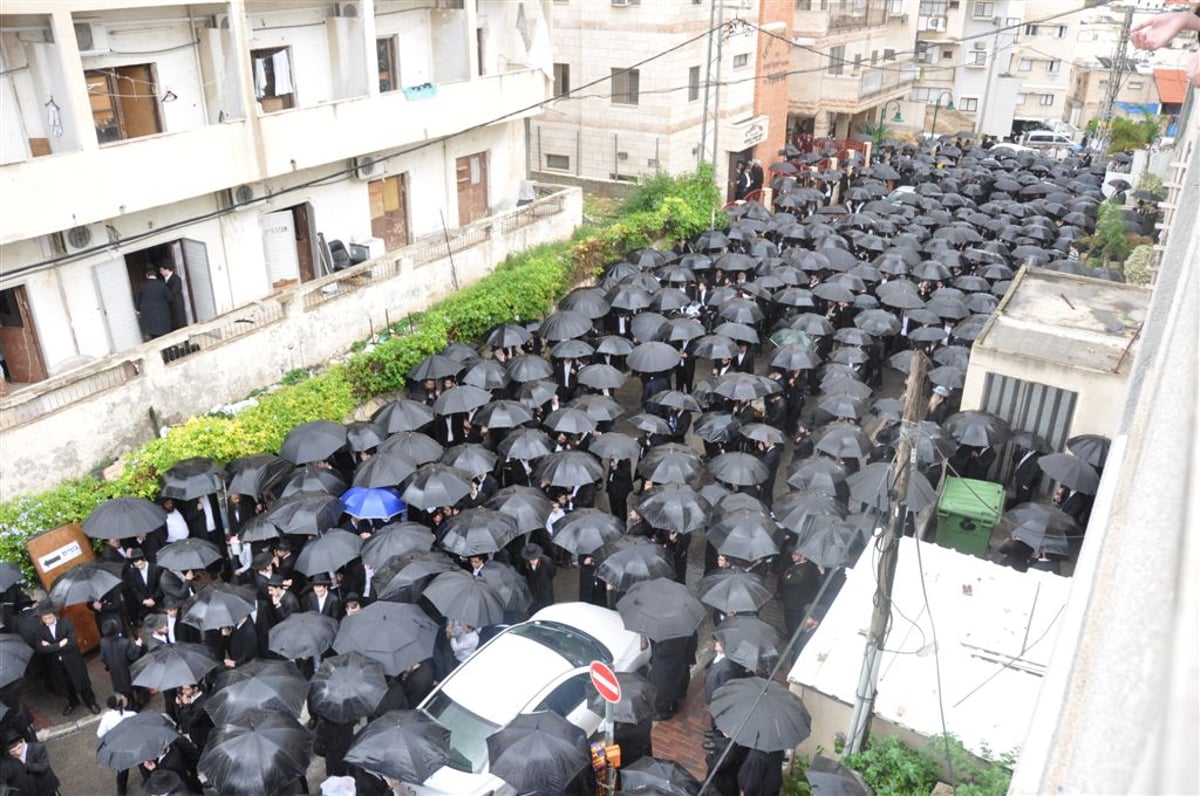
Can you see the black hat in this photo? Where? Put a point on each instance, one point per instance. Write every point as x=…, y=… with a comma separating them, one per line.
x=45, y=607
x=352, y=597
x=11, y=736
x=170, y=601
x=282, y=543
x=320, y=579
x=261, y=561
x=275, y=580
x=164, y=782
x=135, y=554
x=531, y=551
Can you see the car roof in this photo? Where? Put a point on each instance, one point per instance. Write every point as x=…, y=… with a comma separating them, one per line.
x=511, y=670
x=603, y=624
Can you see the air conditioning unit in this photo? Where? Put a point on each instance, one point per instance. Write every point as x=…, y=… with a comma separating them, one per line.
x=239, y=198
x=219, y=21
x=619, y=2
x=92, y=38
x=347, y=10
x=979, y=45
x=938, y=24
x=81, y=238
x=369, y=167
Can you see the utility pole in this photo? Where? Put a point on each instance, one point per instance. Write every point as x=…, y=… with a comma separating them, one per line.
x=712, y=83
x=1116, y=74
x=906, y=455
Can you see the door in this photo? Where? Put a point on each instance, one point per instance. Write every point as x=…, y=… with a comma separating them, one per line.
x=18, y=337
x=1028, y=406
x=472, y=179
x=197, y=279
x=116, y=302
x=389, y=210
x=302, y=220
x=279, y=248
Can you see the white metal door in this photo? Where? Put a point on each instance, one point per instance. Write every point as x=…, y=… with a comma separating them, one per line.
x=279, y=246
x=116, y=302
x=199, y=279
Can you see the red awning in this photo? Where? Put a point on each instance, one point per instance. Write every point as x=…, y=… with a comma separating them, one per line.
x=1172, y=86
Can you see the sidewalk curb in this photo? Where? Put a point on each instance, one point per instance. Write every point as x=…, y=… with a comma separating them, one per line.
x=59, y=730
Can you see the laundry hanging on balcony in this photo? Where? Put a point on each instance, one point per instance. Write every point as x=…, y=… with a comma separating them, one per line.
x=272, y=73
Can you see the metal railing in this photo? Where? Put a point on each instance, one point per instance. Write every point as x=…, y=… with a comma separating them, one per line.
x=44, y=398
x=208, y=336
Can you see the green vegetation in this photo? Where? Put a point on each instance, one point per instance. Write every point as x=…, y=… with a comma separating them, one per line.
x=1138, y=266
x=662, y=211
x=892, y=768
x=1111, y=244
x=878, y=131
x=1126, y=134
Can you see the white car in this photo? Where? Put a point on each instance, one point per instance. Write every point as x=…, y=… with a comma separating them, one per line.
x=541, y=664
x=1015, y=149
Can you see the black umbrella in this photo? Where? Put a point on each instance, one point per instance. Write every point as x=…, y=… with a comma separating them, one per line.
x=397, y=635
x=978, y=428
x=260, y=754
x=308, y=515
x=629, y=561
x=569, y=469
x=739, y=469
x=733, y=591
x=817, y=473
x=396, y=539
x=714, y=346
x=313, y=441
x=460, y=400
x=502, y=414
x=258, y=529
x=14, y=657
x=435, y=367
x=745, y=534
x=255, y=475
x=830, y=543
x=528, y=506
x=538, y=752
x=304, y=634
x=347, y=687
x=653, y=775
x=457, y=595
x=82, y=583
x=363, y=435
x=675, y=506
x=275, y=686
x=511, y=587
x=526, y=443
x=1070, y=471
x=875, y=483
x=413, y=445
x=745, y=386
x=406, y=745
x=218, y=605
x=401, y=578
x=173, y=665
x=478, y=530
x=383, y=470
x=507, y=335
x=653, y=357
x=403, y=414
x=1044, y=528
x=828, y=777
x=528, y=367
x=671, y=463
x=798, y=511
x=1092, y=448
x=760, y=714
x=313, y=480
x=570, y=421
x=436, y=485
x=599, y=407
x=660, y=609
x=749, y=641
x=585, y=531
x=192, y=478
x=614, y=445
x=188, y=554
x=118, y=518
x=136, y=739
x=638, y=697
x=564, y=325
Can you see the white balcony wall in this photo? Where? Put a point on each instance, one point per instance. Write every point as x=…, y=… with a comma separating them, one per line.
x=452, y=45
x=34, y=78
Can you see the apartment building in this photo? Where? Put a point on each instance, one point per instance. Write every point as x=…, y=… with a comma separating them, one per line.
x=237, y=141
x=1042, y=59
x=852, y=63
x=1137, y=93
x=311, y=170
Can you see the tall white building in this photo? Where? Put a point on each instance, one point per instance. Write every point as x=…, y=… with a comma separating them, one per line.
x=236, y=140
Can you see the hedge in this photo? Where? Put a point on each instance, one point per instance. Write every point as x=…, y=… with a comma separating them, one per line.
x=662, y=211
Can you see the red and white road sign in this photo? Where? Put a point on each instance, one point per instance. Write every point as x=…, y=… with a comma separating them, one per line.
x=606, y=682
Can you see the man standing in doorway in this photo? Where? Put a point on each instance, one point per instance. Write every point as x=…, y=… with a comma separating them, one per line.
x=175, y=301
x=153, y=306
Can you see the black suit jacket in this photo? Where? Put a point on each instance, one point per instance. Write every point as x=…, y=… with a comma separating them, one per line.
x=243, y=643
x=744, y=363
x=332, y=609
x=718, y=674
x=137, y=589
x=32, y=778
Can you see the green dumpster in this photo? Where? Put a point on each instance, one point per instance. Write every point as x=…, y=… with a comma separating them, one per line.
x=967, y=513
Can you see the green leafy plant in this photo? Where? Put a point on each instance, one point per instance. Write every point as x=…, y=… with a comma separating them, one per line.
x=1151, y=182
x=892, y=768
x=1139, y=266
x=1126, y=134
x=878, y=131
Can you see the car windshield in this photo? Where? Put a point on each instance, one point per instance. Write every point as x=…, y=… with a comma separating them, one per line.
x=468, y=732
x=578, y=648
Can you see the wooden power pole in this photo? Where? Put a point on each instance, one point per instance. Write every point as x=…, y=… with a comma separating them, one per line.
x=914, y=411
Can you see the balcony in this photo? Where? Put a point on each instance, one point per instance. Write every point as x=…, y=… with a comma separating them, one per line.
x=818, y=18
x=851, y=93
x=252, y=345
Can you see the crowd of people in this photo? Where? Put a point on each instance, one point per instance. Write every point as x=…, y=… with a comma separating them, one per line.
x=529, y=454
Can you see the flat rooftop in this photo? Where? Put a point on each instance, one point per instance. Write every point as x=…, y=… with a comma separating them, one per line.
x=996, y=628
x=1073, y=321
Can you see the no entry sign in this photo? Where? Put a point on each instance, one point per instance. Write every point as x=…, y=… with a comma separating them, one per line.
x=606, y=682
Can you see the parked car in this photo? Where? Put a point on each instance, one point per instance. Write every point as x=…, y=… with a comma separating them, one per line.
x=540, y=664
x=1048, y=139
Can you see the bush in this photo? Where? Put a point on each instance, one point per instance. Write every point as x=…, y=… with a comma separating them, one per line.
x=1140, y=264
x=892, y=768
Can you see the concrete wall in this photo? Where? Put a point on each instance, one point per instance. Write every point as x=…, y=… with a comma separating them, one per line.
x=301, y=327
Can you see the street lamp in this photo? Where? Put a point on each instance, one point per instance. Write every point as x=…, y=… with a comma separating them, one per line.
x=898, y=119
x=938, y=106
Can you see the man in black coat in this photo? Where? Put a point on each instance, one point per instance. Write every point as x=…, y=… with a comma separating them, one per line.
x=175, y=299
x=143, y=586
x=26, y=767
x=181, y=757
x=720, y=670
x=117, y=653
x=57, y=644
x=152, y=303
x=320, y=599
x=539, y=574
x=670, y=660
x=243, y=644
x=743, y=360
x=797, y=588
x=1025, y=478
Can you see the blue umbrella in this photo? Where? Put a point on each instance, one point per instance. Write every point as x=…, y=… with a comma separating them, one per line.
x=372, y=504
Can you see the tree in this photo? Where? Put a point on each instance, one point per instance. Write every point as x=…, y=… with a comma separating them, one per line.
x=878, y=131
x=1126, y=134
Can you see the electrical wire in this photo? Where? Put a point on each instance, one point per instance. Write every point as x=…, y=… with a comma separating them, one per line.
x=937, y=669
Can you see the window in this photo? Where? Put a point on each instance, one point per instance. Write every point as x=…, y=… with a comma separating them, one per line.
x=932, y=8
x=1135, y=85
x=389, y=77
x=874, y=57
x=273, y=79
x=1024, y=65
x=837, y=59
x=812, y=5
x=625, y=86
x=978, y=58
x=693, y=84
x=562, y=79
x=568, y=696
x=1053, y=67
x=1021, y=98
x=1031, y=30
x=558, y=162
x=968, y=104
x=857, y=62
x=889, y=54
x=124, y=102
x=982, y=10
x=740, y=60
x=947, y=55
x=1061, y=32
x=1046, y=100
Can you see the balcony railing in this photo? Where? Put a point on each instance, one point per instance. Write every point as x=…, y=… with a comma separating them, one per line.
x=877, y=81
